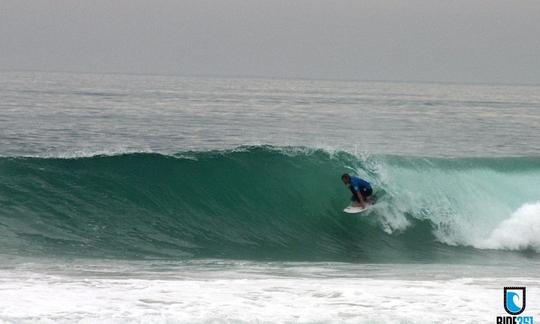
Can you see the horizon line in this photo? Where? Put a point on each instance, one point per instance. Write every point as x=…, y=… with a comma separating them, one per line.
x=259, y=77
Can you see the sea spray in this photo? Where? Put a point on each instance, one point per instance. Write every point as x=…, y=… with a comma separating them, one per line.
x=519, y=232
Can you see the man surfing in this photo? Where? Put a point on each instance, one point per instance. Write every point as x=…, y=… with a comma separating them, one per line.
x=361, y=189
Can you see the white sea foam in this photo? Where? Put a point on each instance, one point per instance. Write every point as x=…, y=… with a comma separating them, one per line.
x=252, y=293
x=519, y=232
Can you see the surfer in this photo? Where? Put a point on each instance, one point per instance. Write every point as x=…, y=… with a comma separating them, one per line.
x=361, y=189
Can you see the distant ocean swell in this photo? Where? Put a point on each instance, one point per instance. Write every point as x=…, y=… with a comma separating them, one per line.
x=267, y=203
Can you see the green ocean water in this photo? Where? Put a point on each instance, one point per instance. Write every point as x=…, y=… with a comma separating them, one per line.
x=265, y=203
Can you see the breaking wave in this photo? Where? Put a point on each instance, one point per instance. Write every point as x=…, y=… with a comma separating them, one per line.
x=267, y=203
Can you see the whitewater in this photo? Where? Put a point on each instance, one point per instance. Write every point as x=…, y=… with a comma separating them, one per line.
x=131, y=198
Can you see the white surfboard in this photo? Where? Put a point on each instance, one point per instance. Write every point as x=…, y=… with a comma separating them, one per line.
x=355, y=209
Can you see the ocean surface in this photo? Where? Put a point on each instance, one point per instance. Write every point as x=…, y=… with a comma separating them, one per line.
x=163, y=199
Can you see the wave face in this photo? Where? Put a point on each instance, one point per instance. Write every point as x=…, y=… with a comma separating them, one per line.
x=267, y=203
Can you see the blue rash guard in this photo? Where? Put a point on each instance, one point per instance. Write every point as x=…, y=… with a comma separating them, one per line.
x=361, y=186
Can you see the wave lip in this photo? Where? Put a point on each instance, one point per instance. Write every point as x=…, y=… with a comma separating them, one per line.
x=265, y=203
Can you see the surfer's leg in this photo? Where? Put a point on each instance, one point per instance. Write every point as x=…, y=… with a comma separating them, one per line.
x=367, y=195
x=366, y=192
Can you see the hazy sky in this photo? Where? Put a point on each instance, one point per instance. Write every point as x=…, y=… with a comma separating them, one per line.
x=433, y=40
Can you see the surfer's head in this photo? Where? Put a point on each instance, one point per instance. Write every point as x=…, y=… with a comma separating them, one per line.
x=346, y=178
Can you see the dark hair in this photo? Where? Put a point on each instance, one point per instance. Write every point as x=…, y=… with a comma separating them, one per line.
x=345, y=175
